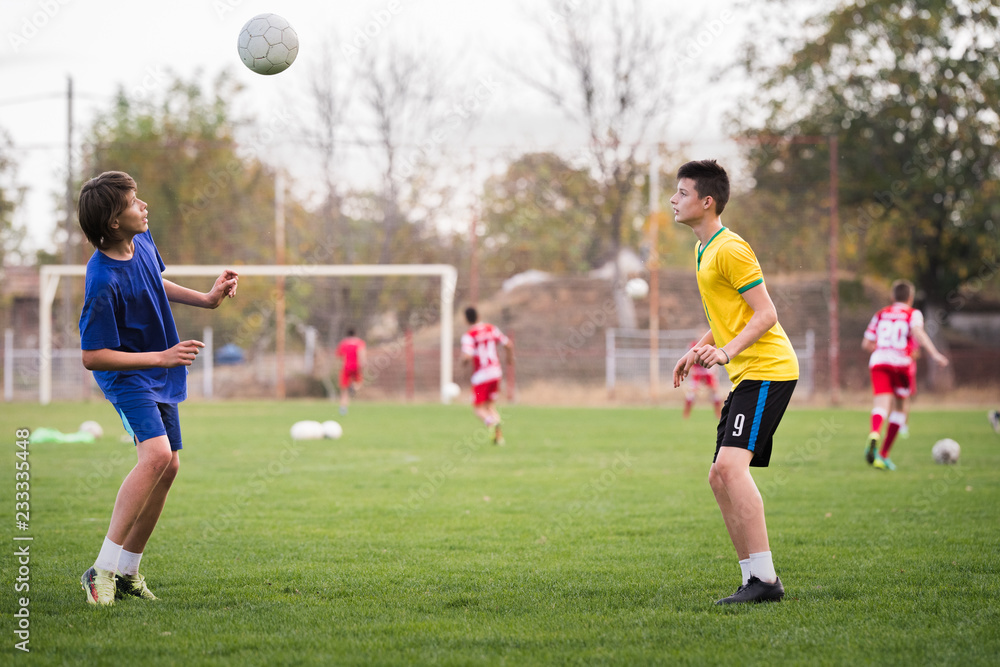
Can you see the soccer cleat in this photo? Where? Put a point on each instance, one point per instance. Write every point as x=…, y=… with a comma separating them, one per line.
x=723, y=600
x=756, y=590
x=497, y=437
x=99, y=585
x=873, y=439
x=883, y=463
x=994, y=417
x=134, y=585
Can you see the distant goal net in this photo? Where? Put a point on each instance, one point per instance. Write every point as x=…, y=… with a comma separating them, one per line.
x=278, y=337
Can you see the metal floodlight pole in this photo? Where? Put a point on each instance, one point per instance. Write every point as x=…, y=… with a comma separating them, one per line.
x=834, y=283
x=654, y=275
x=279, y=259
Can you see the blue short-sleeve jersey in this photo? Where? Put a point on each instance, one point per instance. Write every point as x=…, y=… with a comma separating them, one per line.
x=126, y=308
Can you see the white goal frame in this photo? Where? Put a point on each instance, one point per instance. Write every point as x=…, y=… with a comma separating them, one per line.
x=50, y=274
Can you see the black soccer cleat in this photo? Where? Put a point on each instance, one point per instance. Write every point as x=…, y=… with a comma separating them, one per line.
x=723, y=600
x=756, y=590
x=873, y=440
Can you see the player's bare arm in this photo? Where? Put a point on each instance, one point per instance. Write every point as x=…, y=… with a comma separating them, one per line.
x=925, y=340
x=225, y=285
x=764, y=317
x=868, y=345
x=182, y=354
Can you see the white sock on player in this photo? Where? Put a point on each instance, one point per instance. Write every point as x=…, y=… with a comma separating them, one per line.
x=762, y=567
x=745, y=568
x=108, y=558
x=128, y=562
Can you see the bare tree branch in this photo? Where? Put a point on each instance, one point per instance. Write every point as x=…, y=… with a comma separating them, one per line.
x=608, y=73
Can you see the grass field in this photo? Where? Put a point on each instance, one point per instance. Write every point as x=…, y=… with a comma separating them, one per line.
x=591, y=538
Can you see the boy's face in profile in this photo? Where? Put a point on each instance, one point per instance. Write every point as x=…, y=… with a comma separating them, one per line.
x=689, y=206
x=133, y=220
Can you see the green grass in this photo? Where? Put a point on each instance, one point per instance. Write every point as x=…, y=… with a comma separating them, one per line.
x=591, y=538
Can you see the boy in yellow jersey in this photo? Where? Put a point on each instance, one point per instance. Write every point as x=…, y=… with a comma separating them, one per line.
x=745, y=337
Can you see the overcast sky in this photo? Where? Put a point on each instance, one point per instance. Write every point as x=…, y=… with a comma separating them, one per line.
x=105, y=45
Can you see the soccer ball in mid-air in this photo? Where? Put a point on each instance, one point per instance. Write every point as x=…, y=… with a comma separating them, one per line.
x=268, y=44
x=637, y=288
x=946, y=451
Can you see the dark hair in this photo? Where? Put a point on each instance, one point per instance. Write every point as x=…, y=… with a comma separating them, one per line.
x=471, y=315
x=710, y=180
x=350, y=331
x=902, y=290
x=102, y=199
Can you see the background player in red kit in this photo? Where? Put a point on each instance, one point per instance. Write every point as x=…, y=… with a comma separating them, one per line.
x=480, y=348
x=699, y=377
x=352, y=351
x=890, y=338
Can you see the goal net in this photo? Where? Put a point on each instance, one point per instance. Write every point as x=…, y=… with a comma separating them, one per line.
x=278, y=337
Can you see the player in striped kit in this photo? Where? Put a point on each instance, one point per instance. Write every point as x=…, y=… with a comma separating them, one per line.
x=892, y=336
x=480, y=350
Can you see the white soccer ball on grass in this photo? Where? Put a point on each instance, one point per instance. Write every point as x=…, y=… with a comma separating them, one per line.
x=946, y=451
x=91, y=427
x=452, y=391
x=307, y=430
x=332, y=430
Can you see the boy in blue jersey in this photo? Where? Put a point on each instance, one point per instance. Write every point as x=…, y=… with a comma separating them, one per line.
x=130, y=342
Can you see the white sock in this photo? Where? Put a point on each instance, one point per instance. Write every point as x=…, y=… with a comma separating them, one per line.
x=762, y=567
x=108, y=558
x=128, y=562
x=745, y=568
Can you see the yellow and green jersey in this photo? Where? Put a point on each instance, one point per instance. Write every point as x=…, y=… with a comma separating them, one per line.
x=727, y=268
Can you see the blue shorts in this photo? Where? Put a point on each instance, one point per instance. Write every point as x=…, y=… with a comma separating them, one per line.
x=144, y=419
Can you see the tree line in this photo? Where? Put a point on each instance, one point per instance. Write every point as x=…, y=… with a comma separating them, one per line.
x=910, y=88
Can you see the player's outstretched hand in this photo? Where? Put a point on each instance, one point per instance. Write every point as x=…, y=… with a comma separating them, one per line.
x=683, y=367
x=182, y=354
x=225, y=285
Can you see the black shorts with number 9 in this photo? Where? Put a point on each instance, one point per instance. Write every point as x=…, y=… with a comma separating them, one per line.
x=751, y=415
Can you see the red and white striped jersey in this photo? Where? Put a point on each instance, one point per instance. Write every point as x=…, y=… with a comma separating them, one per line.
x=891, y=329
x=481, y=342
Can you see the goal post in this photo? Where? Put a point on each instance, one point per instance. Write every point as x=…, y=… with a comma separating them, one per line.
x=50, y=275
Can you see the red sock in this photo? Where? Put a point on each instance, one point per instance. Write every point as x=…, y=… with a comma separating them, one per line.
x=889, y=437
x=877, y=419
